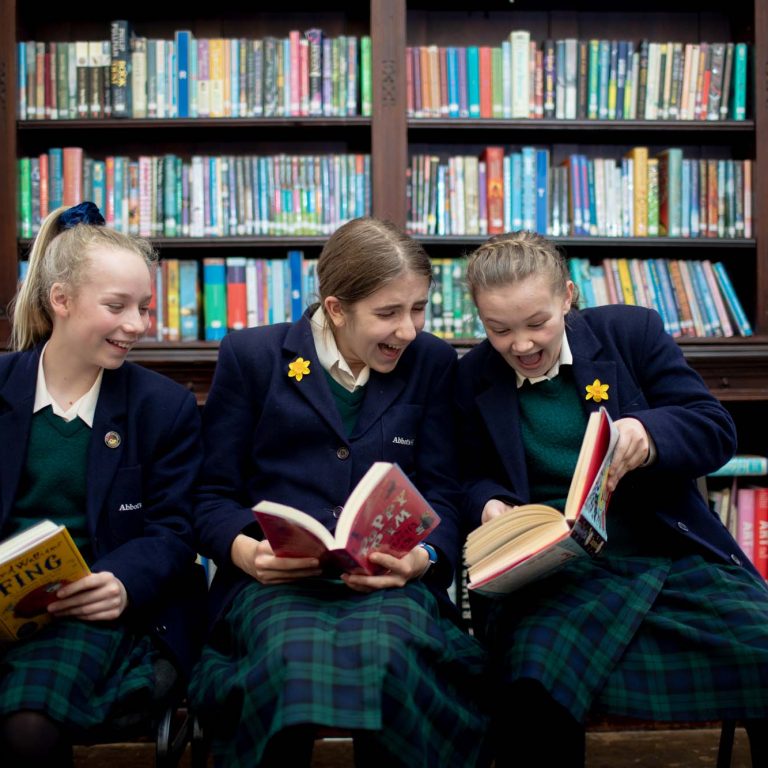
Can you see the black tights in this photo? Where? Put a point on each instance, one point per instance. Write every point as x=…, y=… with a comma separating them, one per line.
x=31, y=738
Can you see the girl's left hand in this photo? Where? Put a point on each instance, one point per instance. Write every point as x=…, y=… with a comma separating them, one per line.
x=399, y=571
x=96, y=597
x=632, y=450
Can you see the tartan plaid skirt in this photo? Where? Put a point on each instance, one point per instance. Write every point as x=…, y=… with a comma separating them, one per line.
x=650, y=638
x=79, y=673
x=319, y=653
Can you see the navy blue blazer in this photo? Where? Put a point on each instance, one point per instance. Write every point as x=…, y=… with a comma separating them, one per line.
x=139, y=494
x=625, y=347
x=268, y=436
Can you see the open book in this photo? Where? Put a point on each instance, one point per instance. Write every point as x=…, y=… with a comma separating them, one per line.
x=34, y=564
x=534, y=540
x=384, y=513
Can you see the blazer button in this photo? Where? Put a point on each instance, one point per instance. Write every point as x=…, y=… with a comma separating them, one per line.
x=160, y=628
x=337, y=512
x=736, y=559
x=682, y=526
x=342, y=453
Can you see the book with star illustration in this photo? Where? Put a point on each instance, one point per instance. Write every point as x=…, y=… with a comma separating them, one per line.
x=34, y=564
x=534, y=540
x=384, y=513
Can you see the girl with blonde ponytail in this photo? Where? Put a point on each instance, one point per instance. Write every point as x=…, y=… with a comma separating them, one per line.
x=110, y=450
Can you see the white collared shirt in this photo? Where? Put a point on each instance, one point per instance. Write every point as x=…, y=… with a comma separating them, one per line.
x=565, y=358
x=330, y=358
x=84, y=407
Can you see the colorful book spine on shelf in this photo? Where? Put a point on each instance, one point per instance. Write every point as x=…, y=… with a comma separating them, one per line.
x=189, y=300
x=120, y=71
x=215, y=298
x=237, y=300
x=295, y=270
x=735, y=308
x=743, y=464
x=183, y=83
x=760, y=558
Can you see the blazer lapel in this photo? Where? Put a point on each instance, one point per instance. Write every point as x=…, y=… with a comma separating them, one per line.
x=313, y=387
x=498, y=406
x=17, y=399
x=588, y=366
x=107, y=441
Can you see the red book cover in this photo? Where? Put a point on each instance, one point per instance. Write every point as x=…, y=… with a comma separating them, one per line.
x=534, y=540
x=44, y=185
x=73, y=175
x=761, y=531
x=384, y=513
x=486, y=83
x=237, y=298
x=494, y=171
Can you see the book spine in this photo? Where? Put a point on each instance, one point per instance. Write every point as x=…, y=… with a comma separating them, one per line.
x=120, y=67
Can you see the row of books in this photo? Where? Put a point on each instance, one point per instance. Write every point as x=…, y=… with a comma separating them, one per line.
x=586, y=79
x=693, y=297
x=201, y=196
x=205, y=299
x=744, y=510
x=303, y=74
x=635, y=195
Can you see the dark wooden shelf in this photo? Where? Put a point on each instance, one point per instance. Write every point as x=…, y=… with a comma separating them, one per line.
x=416, y=124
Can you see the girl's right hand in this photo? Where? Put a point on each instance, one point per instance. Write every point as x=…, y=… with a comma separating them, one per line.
x=257, y=559
x=494, y=508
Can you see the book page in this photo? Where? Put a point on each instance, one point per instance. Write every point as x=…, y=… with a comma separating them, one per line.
x=495, y=533
x=291, y=532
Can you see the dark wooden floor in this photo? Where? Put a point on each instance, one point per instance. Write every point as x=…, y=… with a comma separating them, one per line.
x=694, y=748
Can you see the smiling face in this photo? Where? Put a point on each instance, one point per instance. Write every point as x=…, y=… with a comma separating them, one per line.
x=375, y=330
x=525, y=322
x=98, y=321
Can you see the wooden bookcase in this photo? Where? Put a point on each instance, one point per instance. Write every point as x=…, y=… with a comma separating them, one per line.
x=736, y=369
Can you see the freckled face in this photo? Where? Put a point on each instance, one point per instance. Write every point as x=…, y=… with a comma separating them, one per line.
x=525, y=322
x=376, y=330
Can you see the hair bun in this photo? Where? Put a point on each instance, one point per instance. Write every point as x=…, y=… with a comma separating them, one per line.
x=84, y=213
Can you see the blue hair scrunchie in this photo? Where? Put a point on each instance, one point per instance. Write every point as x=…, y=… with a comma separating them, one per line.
x=84, y=213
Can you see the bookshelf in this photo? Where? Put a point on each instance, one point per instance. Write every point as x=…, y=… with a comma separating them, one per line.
x=735, y=369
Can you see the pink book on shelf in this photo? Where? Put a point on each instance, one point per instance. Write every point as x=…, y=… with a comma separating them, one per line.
x=760, y=557
x=745, y=521
x=722, y=312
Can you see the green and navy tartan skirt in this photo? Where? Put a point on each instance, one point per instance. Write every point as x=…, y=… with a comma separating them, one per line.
x=319, y=653
x=79, y=673
x=650, y=638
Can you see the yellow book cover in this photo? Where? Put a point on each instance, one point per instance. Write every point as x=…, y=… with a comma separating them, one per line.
x=172, y=298
x=625, y=278
x=640, y=189
x=216, y=78
x=34, y=564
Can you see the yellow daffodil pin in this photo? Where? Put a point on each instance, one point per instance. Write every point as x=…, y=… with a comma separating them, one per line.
x=298, y=369
x=597, y=391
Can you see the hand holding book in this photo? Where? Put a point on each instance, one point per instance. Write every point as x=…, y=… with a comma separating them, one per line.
x=384, y=513
x=533, y=540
